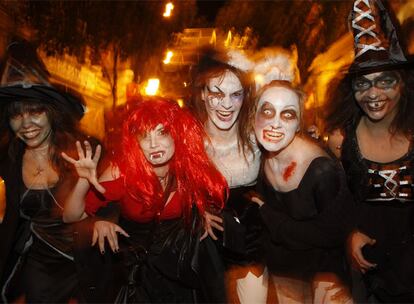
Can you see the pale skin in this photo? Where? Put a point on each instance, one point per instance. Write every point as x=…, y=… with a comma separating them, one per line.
x=375, y=143
x=223, y=98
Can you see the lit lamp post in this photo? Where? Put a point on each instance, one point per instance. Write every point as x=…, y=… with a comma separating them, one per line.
x=168, y=9
x=168, y=57
x=152, y=86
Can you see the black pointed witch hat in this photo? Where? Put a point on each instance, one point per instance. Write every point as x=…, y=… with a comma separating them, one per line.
x=376, y=41
x=25, y=77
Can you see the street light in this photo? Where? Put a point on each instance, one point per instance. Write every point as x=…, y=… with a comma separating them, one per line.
x=168, y=57
x=168, y=9
x=152, y=86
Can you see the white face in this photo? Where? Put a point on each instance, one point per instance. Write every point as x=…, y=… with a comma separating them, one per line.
x=158, y=146
x=223, y=98
x=277, y=118
x=33, y=128
x=378, y=94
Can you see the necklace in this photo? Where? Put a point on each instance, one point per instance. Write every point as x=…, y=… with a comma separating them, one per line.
x=41, y=160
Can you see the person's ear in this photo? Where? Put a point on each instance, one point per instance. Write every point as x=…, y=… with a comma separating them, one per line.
x=203, y=94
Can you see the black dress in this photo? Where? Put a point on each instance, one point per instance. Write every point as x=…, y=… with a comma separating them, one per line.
x=384, y=193
x=306, y=228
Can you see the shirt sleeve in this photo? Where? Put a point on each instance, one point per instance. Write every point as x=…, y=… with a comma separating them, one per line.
x=329, y=228
x=114, y=192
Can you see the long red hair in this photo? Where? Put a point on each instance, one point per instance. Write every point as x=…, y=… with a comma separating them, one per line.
x=198, y=180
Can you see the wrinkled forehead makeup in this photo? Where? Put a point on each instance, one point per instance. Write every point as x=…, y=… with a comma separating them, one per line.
x=225, y=80
x=279, y=96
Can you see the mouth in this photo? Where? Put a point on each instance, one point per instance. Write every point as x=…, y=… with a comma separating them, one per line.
x=272, y=136
x=224, y=115
x=376, y=106
x=157, y=155
x=30, y=134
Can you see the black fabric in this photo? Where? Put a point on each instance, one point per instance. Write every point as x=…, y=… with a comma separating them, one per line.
x=15, y=233
x=306, y=228
x=390, y=223
x=174, y=268
x=242, y=229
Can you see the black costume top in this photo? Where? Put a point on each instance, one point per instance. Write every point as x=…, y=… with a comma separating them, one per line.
x=384, y=193
x=306, y=227
x=38, y=213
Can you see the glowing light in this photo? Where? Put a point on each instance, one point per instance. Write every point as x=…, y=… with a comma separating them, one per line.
x=227, y=43
x=168, y=9
x=152, y=86
x=168, y=57
x=185, y=84
x=258, y=78
x=180, y=102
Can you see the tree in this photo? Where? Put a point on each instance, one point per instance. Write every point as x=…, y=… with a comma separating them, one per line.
x=112, y=30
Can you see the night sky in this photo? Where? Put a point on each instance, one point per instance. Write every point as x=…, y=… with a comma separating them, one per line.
x=209, y=8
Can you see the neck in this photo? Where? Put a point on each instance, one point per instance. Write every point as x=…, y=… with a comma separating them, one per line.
x=219, y=135
x=161, y=172
x=285, y=155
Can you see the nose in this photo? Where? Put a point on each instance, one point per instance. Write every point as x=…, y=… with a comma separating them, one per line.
x=276, y=123
x=227, y=103
x=153, y=140
x=372, y=93
x=26, y=120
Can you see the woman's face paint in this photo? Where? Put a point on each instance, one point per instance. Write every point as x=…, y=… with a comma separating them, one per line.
x=277, y=118
x=157, y=146
x=378, y=93
x=32, y=127
x=223, y=98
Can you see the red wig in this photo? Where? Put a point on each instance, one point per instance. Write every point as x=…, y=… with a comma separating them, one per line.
x=198, y=180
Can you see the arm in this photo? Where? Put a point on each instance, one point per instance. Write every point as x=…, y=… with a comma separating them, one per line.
x=85, y=167
x=329, y=227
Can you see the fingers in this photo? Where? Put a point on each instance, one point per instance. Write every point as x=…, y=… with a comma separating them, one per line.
x=362, y=263
x=94, y=237
x=121, y=231
x=204, y=235
x=97, y=154
x=216, y=225
x=80, y=150
x=99, y=187
x=68, y=158
x=257, y=200
x=215, y=218
x=88, y=149
x=211, y=233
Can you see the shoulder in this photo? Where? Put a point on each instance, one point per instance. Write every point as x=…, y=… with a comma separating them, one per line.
x=111, y=173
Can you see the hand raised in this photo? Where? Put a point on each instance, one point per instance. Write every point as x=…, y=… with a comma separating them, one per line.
x=87, y=163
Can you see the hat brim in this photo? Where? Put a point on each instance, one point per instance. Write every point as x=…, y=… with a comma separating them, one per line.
x=377, y=66
x=62, y=99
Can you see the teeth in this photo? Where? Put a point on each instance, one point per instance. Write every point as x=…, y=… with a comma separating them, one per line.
x=156, y=155
x=30, y=134
x=225, y=113
x=273, y=135
x=376, y=104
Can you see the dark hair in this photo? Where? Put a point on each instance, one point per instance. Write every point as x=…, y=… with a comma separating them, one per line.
x=63, y=136
x=342, y=108
x=214, y=65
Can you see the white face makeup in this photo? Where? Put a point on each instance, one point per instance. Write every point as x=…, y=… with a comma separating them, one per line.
x=277, y=118
x=378, y=93
x=157, y=146
x=33, y=128
x=223, y=98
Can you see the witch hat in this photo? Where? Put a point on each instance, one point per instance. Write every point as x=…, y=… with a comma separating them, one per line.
x=376, y=41
x=25, y=77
